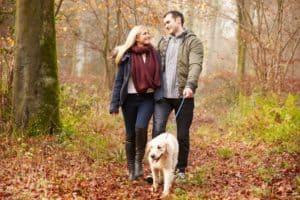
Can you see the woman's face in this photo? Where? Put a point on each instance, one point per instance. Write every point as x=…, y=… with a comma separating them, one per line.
x=143, y=38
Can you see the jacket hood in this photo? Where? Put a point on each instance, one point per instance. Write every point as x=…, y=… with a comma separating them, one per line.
x=189, y=33
x=186, y=34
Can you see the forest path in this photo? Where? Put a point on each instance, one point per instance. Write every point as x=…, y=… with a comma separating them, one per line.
x=219, y=168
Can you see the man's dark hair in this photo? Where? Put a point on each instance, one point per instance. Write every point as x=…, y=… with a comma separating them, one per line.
x=176, y=14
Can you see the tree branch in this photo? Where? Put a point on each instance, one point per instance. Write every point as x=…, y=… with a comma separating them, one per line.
x=58, y=7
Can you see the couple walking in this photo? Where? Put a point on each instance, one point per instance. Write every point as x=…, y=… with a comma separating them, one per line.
x=154, y=82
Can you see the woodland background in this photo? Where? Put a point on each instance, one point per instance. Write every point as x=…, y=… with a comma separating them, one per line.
x=58, y=141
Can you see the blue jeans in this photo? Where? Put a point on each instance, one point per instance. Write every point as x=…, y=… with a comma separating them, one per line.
x=162, y=110
x=137, y=111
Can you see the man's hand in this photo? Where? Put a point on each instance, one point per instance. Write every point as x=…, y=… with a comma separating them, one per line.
x=188, y=93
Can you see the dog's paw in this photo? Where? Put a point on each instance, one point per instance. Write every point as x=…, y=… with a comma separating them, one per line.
x=161, y=181
x=164, y=195
x=154, y=188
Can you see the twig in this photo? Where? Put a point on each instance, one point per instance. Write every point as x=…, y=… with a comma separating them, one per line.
x=58, y=7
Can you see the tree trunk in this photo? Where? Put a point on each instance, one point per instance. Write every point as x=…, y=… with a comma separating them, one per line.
x=242, y=47
x=35, y=86
x=80, y=49
x=210, y=59
x=109, y=66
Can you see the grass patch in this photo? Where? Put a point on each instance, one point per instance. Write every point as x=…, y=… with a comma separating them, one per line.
x=272, y=119
x=198, y=177
x=181, y=194
x=225, y=153
x=94, y=145
x=118, y=155
x=207, y=134
x=266, y=174
x=260, y=192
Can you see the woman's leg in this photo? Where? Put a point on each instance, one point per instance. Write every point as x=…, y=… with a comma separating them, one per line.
x=129, y=110
x=145, y=111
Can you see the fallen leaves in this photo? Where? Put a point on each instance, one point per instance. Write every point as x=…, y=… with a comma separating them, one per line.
x=43, y=168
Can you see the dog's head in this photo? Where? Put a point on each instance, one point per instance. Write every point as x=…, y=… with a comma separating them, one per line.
x=156, y=150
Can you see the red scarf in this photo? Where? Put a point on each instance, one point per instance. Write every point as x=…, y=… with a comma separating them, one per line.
x=146, y=74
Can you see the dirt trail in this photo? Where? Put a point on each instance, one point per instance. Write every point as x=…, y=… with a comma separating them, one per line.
x=218, y=169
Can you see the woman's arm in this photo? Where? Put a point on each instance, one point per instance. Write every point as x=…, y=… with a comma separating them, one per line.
x=115, y=100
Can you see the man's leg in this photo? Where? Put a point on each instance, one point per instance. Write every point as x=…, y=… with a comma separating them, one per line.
x=161, y=113
x=184, y=121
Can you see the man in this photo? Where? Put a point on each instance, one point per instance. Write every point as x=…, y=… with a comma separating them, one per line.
x=181, y=57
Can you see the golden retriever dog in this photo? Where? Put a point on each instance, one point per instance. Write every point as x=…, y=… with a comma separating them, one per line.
x=163, y=156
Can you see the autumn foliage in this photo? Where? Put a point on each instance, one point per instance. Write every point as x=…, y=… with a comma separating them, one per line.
x=245, y=133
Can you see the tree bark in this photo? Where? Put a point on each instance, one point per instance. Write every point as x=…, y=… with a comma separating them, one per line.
x=242, y=9
x=109, y=66
x=35, y=86
x=242, y=47
x=212, y=36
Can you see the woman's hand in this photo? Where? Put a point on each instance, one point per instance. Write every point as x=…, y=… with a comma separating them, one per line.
x=113, y=53
x=114, y=112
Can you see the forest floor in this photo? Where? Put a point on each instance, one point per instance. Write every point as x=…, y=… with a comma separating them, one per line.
x=87, y=161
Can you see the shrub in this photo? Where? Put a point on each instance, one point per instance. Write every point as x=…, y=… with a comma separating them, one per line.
x=87, y=126
x=269, y=118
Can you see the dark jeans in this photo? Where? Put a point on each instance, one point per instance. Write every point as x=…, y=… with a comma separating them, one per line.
x=162, y=109
x=137, y=111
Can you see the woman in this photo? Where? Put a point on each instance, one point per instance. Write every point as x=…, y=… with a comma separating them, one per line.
x=137, y=78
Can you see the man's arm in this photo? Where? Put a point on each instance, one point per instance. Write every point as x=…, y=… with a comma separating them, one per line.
x=195, y=64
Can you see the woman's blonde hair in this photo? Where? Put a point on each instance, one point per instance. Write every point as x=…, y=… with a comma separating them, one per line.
x=130, y=41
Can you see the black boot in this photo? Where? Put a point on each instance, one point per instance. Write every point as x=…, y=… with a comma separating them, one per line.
x=140, y=141
x=130, y=154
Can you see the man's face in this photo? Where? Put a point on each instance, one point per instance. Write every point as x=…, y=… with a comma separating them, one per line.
x=171, y=24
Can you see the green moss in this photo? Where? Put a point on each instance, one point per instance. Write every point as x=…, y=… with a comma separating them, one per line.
x=49, y=112
x=43, y=122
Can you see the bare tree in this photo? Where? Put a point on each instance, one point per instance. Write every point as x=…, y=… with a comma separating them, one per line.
x=243, y=9
x=214, y=7
x=271, y=41
x=106, y=24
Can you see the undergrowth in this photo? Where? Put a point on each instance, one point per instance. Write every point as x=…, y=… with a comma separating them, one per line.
x=272, y=119
x=87, y=125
